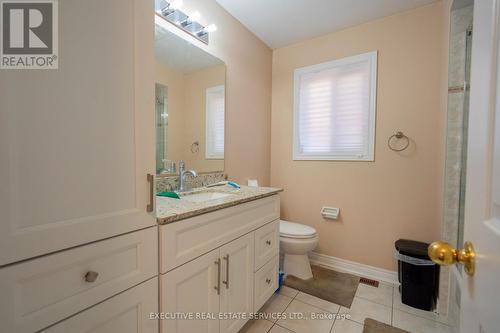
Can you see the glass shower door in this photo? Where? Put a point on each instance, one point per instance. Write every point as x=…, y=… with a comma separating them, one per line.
x=161, y=115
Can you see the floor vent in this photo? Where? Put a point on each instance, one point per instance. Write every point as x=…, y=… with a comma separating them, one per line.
x=369, y=282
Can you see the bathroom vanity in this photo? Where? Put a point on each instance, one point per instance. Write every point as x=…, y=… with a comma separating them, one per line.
x=218, y=246
x=217, y=257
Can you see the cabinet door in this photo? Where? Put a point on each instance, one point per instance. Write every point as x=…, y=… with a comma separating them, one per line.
x=128, y=312
x=267, y=243
x=266, y=282
x=76, y=143
x=237, y=281
x=190, y=290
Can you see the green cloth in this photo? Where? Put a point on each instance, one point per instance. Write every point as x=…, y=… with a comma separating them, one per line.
x=168, y=195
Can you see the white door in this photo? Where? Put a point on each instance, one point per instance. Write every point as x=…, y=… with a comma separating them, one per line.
x=192, y=289
x=481, y=292
x=76, y=143
x=129, y=312
x=237, y=282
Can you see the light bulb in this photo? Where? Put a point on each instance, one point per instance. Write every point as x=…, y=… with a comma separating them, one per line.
x=194, y=17
x=176, y=4
x=210, y=28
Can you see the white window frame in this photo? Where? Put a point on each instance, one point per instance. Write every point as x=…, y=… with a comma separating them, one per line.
x=370, y=156
x=209, y=155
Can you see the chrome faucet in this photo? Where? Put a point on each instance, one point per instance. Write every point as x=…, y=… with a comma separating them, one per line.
x=182, y=175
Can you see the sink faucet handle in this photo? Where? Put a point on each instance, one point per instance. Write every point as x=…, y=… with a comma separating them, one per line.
x=182, y=166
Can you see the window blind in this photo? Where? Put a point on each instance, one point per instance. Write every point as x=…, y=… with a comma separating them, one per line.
x=215, y=123
x=334, y=109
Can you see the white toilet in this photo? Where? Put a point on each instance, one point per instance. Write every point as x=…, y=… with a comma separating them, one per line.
x=296, y=241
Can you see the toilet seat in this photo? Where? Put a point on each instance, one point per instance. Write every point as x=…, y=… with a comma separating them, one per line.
x=296, y=230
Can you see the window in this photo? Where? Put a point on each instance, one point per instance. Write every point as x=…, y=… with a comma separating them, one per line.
x=334, y=116
x=215, y=123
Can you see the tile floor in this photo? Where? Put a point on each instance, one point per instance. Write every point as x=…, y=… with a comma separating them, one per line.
x=382, y=304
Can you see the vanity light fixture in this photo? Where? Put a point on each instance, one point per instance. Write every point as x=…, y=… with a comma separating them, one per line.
x=177, y=4
x=206, y=30
x=171, y=7
x=191, y=19
x=194, y=17
x=170, y=11
x=210, y=28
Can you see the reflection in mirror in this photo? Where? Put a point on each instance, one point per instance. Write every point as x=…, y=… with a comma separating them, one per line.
x=190, y=106
x=163, y=165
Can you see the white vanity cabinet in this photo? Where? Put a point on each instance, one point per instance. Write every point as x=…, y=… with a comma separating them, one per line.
x=76, y=143
x=208, y=267
x=78, y=235
x=219, y=281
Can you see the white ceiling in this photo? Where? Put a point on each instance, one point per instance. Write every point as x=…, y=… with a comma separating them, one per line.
x=177, y=53
x=282, y=22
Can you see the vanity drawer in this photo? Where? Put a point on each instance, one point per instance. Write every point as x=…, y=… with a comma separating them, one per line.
x=266, y=243
x=42, y=291
x=265, y=282
x=187, y=239
x=128, y=312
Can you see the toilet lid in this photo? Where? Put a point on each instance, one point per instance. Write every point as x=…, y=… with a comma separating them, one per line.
x=296, y=230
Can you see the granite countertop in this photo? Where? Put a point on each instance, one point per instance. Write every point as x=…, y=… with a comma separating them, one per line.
x=170, y=210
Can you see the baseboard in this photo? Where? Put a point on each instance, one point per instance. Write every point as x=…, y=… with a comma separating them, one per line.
x=362, y=270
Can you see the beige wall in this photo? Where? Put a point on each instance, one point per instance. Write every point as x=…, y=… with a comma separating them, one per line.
x=248, y=92
x=196, y=84
x=398, y=195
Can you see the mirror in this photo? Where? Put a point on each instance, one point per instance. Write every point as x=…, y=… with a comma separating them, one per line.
x=190, y=106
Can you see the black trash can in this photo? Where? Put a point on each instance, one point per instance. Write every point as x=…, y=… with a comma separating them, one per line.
x=418, y=275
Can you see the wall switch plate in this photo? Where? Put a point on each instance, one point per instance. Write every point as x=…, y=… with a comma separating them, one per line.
x=330, y=213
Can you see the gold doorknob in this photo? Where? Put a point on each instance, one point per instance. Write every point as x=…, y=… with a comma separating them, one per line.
x=444, y=254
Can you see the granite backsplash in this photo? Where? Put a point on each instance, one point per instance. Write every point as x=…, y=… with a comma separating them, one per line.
x=171, y=183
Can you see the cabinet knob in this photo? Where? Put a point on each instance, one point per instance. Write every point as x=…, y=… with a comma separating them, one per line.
x=268, y=281
x=91, y=276
x=268, y=242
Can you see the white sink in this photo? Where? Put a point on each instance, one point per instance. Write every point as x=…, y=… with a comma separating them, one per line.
x=204, y=196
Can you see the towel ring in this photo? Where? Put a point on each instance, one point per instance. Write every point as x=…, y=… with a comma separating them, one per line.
x=398, y=135
x=195, y=147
